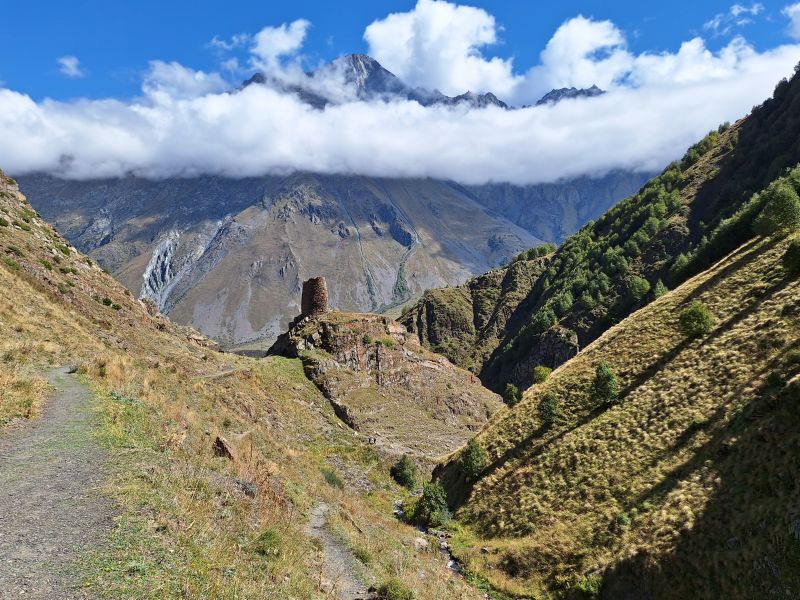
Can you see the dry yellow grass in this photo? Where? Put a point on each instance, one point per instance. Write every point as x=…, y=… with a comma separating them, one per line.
x=621, y=490
x=189, y=523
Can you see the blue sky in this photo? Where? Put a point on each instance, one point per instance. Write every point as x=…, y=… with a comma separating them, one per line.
x=115, y=40
x=105, y=89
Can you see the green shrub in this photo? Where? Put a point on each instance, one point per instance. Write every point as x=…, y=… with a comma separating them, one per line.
x=106, y=302
x=541, y=373
x=605, y=387
x=332, y=478
x=47, y=264
x=432, y=508
x=11, y=264
x=3, y=222
x=659, y=289
x=366, y=340
x=474, y=459
x=23, y=226
x=512, y=395
x=697, y=320
x=791, y=258
x=550, y=409
x=781, y=211
x=395, y=589
x=63, y=248
x=268, y=543
x=638, y=287
x=404, y=472
x=364, y=555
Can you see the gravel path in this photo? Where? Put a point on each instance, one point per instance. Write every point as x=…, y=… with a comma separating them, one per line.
x=49, y=468
x=339, y=579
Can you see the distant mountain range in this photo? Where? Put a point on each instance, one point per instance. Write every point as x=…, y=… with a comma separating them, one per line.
x=228, y=255
x=560, y=94
x=369, y=80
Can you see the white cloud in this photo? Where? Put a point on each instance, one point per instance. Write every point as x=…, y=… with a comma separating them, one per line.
x=582, y=52
x=185, y=124
x=738, y=15
x=273, y=43
x=438, y=45
x=70, y=66
x=793, y=12
x=166, y=82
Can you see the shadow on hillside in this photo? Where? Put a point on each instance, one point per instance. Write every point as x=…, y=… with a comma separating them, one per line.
x=746, y=543
x=534, y=444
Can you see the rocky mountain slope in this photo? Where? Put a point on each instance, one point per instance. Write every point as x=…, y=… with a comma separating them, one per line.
x=216, y=464
x=227, y=255
x=676, y=225
x=385, y=386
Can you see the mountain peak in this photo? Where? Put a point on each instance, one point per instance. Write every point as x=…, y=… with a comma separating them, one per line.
x=371, y=81
x=559, y=94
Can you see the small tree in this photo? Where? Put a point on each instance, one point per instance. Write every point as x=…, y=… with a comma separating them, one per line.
x=697, y=320
x=791, y=258
x=638, y=287
x=404, y=472
x=781, y=211
x=432, y=506
x=541, y=373
x=474, y=459
x=512, y=395
x=659, y=289
x=550, y=409
x=605, y=387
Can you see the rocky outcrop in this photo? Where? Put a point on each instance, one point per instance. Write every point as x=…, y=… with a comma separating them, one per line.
x=467, y=323
x=382, y=383
x=554, y=347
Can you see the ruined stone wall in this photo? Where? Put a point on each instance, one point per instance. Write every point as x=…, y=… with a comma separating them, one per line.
x=314, y=301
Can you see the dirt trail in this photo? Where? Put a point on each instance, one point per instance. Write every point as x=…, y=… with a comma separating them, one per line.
x=339, y=579
x=49, y=512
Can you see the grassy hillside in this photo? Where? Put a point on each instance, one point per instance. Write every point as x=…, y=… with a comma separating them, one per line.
x=192, y=523
x=673, y=228
x=685, y=485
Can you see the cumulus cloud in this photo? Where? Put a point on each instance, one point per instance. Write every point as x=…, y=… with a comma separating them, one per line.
x=70, y=66
x=172, y=81
x=273, y=43
x=185, y=122
x=438, y=45
x=793, y=12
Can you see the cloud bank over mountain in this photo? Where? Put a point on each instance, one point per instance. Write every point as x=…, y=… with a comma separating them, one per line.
x=187, y=122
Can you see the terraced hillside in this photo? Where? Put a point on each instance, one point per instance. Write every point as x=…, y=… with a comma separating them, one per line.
x=217, y=464
x=677, y=225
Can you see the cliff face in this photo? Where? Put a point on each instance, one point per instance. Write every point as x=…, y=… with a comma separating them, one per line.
x=384, y=385
x=468, y=322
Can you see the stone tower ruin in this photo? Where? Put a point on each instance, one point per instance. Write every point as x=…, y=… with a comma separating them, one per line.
x=314, y=301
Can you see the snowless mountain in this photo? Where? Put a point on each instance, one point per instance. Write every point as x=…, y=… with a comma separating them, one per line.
x=228, y=255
